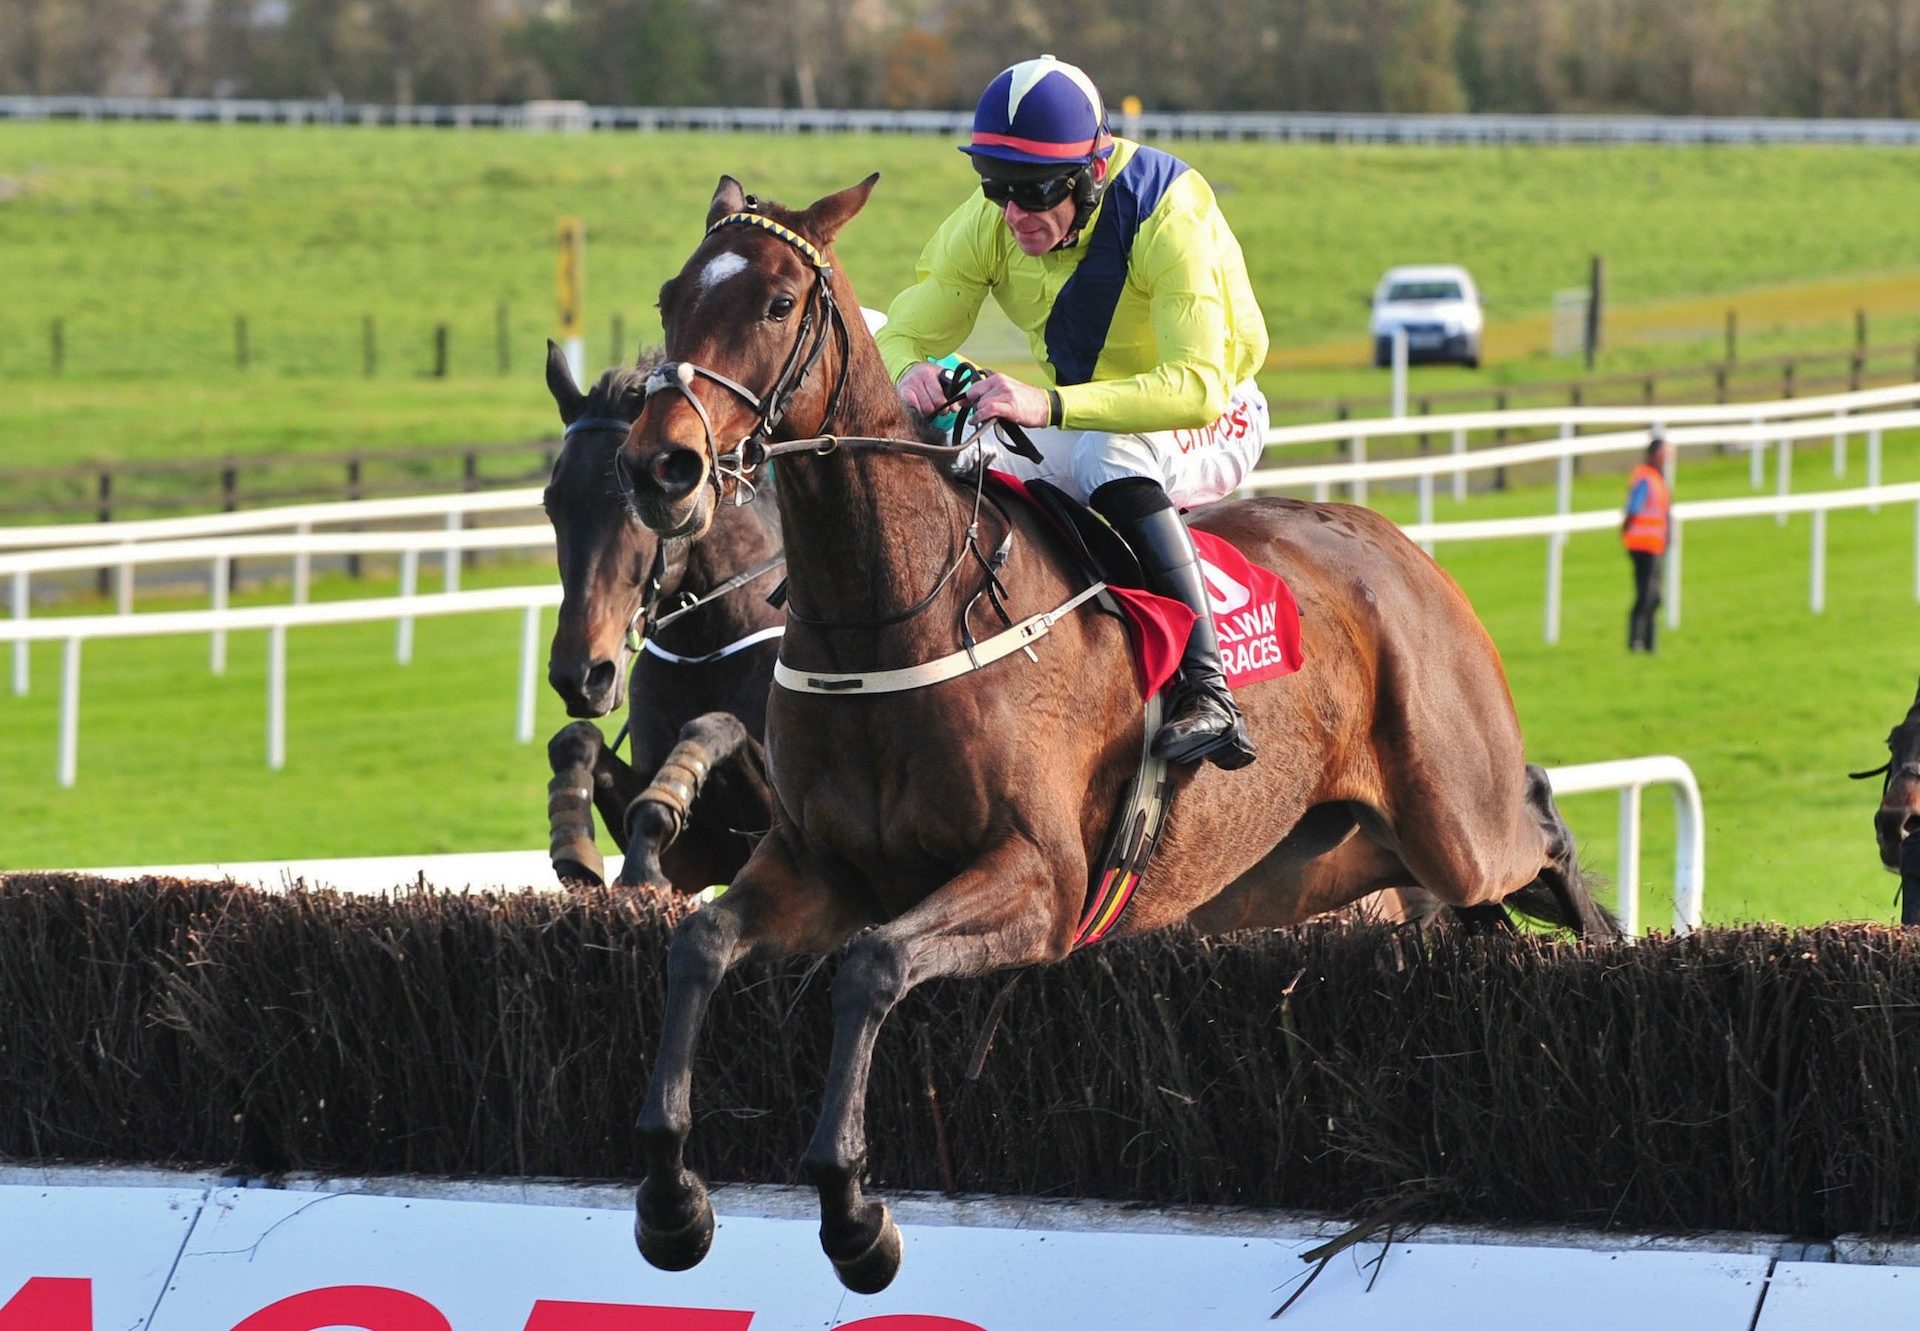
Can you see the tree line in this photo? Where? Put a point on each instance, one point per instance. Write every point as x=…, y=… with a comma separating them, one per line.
x=1696, y=57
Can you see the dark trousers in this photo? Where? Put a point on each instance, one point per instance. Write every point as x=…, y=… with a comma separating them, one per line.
x=1646, y=600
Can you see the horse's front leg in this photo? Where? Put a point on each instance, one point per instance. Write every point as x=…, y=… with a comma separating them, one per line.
x=714, y=745
x=1003, y=911
x=770, y=911
x=586, y=774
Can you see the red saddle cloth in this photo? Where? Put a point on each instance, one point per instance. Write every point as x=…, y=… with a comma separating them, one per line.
x=1254, y=616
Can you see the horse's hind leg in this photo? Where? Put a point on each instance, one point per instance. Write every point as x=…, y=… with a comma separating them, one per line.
x=715, y=745
x=769, y=912
x=1003, y=911
x=1565, y=885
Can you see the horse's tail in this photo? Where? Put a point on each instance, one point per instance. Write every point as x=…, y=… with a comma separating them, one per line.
x=1541, y=903
x=1561, y=894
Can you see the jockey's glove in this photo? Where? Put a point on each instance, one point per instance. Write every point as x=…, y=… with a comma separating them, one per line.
x=971, y=457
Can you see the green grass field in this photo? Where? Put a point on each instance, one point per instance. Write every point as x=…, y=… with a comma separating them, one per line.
x=147, y=241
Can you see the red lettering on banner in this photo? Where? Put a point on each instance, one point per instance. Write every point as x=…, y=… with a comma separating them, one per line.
x=368, y=1307
x=560, y=1315
x=50, y=1303
x=910, y=1322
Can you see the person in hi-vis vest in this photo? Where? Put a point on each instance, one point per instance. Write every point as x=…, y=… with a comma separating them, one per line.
x=1644, y=533
x=1116, y=262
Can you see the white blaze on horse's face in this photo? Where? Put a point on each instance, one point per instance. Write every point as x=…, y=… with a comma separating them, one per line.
x=719, y=268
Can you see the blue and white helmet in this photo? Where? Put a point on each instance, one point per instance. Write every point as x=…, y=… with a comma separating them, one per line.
x=1039, y=113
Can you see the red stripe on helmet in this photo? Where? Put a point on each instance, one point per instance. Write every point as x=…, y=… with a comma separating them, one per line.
x=1041, y=148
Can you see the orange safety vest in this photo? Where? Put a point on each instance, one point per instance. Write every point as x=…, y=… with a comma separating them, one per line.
x=1647, y=529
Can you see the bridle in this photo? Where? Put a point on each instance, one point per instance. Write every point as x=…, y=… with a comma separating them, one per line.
x=821, y=322
x=1907, y=769
x=657, y=576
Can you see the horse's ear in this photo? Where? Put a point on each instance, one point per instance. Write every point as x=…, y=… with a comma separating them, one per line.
x=566, y=393
x=728, y=197
x=828, y=215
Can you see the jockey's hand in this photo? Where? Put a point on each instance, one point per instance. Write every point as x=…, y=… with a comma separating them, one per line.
x=920, y=388
x=999, y=397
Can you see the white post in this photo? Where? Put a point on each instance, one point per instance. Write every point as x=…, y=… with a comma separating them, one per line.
x=1322, y=492
x=1556, y=545
x=529, y=648
x=277, y=697
x=1672, y=592
x=409, y=583
x=1399, y=372
x=1690, y=858
x=1873, y=466
x=1360, y=460
x=576, y=351
x=20, y=656
x=1460, y=473
x=453, y=555
x=69, y=712
x=1630, y=859
x=302, y=566
x=1563, y=476
x=123, y=587
x=1426, y=506
x=1785, y=484
x=222, y=571
x=1756, y=459
x=1817, y=596
x=1839, y=444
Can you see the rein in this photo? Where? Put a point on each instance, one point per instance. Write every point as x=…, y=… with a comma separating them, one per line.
x=822, y=323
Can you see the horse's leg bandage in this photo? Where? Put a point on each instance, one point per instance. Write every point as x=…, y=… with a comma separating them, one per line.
x=676, y=785
x=570, y=821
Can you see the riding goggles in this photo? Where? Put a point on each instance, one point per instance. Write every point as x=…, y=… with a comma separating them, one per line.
x=1030, y=196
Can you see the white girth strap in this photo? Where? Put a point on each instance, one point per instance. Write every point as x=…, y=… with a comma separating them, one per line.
x=1008, y=641
x=652, y=649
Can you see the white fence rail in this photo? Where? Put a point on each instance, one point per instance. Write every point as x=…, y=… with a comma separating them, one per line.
x=1630, y=776
x=220, y=552
x=1286, y=127
x=72, y=631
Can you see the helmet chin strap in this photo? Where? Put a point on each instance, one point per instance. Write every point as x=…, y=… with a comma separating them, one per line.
x=1086, y=197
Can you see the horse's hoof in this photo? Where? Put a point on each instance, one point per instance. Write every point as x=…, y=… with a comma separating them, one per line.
x=676, y=1249
x=642, y=870
x=874, y=1269
x=569, y=870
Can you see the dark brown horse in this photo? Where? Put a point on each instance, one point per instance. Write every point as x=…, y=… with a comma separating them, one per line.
x=688, y=807
x=948, y=830
x=1896, y=823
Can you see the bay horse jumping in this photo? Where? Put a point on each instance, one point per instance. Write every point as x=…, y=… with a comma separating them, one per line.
x=948, y=830
x=686, y=810
x=1896, y=823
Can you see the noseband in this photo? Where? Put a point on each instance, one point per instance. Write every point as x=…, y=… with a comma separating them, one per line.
x=821, y=322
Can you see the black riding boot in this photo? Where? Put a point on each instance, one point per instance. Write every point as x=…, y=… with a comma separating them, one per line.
x=1202, y=720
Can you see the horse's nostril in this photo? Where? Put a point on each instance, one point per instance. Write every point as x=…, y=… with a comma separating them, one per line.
x=676, y=471
x=601, y=678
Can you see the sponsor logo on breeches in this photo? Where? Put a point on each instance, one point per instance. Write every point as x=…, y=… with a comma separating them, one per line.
x=1233, y=424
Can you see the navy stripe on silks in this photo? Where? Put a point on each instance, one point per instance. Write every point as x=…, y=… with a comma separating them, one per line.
x=1083, y=312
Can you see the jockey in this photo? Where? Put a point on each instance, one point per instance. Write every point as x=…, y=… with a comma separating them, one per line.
x=1115, y=261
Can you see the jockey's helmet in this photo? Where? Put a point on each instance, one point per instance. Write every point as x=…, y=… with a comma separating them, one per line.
x=1042, y=120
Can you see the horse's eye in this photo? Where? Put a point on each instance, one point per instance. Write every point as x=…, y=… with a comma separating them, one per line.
x=780, y=307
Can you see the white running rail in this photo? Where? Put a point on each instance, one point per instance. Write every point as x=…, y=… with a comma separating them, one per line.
x=1630, y=776
x=277, y=619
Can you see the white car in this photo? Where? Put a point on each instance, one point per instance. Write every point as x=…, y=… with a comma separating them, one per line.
x=1439, y=307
